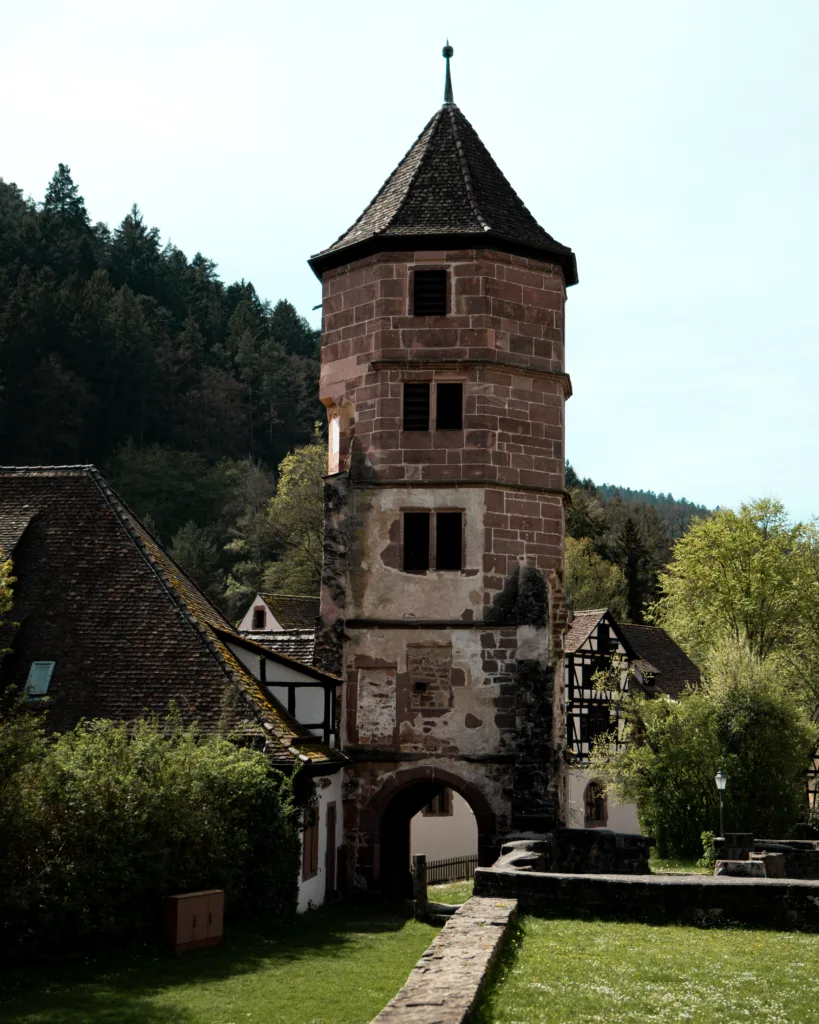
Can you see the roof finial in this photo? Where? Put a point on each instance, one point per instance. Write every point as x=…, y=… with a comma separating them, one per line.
x=448, y=100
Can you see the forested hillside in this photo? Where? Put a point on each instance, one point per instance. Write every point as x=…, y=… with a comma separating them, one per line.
x=118, y=350
x=188, y=393
x=618, y=540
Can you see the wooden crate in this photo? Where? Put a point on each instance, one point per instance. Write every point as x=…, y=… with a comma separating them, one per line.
x=193, y=920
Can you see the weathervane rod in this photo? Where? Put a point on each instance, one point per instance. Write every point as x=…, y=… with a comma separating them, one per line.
x=448, y=100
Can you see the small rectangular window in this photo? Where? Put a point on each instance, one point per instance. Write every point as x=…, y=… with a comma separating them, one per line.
x=440, y=806
x=429, y=293
x=39, y=679
x=449, y=404
x=416, y=407
x=416, y=541
x=448, y=541
x=258, y=618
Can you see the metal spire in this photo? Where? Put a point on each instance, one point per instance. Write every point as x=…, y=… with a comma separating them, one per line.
x=448, y=100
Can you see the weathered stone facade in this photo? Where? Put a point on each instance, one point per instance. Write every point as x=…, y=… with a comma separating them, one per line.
x=484, y=639
x=445, y=286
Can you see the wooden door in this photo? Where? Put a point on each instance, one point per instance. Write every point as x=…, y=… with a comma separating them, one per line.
x=330, y=856
x=197, y=910
x=216, y=911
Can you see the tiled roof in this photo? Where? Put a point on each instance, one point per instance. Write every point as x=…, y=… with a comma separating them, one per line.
x=293, y=611
x=447, y=187
x=670, y=665
x=294, y=643
x=129, y=632
x=650, y=649
x=580, y=627
x=12, y=528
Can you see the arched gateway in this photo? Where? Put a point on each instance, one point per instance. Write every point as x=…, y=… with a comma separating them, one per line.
x=441, y=607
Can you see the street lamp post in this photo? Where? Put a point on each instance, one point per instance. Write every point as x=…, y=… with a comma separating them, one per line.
x=721, y=780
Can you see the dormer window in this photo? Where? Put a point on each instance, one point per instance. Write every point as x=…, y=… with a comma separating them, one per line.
x=39, y=679
x=259, y=618
x=429, y=293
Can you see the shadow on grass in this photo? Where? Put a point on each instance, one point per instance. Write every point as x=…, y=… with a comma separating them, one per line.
x=122, y=987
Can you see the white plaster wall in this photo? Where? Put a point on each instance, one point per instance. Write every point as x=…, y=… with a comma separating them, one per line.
x=379, y=590
x=438, y=838
x=270, y=622
x=275, y=672
x=622, y=817
x=313, y=890
x=475, y=697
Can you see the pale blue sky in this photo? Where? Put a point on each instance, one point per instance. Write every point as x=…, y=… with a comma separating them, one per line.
x=672, y=145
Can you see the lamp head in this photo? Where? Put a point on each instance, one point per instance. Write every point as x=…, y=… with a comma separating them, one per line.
x=721, y=780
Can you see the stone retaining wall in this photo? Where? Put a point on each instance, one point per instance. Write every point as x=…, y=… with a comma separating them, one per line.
x=444, y=985
x=772, y=902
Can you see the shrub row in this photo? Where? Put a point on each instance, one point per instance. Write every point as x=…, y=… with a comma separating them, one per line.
x=97, y=824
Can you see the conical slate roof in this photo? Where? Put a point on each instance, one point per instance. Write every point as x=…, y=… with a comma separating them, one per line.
x=446, y=193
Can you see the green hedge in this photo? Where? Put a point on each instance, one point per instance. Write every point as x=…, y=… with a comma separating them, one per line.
x=97, y=824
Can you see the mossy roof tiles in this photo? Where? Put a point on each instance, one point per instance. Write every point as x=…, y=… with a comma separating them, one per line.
x=129, y=632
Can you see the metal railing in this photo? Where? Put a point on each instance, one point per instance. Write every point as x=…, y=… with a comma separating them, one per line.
x=452, y=869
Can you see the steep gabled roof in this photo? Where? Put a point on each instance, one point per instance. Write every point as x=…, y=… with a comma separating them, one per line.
x=447, y=193
x=128, y=631
x=580, y=628
x=663, y=658
x=649, y=649
x=293, y=611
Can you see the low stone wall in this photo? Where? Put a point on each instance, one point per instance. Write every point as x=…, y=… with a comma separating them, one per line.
x=801, y=856
x=757, y=902
x=578, y=851
x=444, y=985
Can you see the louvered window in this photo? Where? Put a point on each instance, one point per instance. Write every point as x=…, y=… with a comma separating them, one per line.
x=429, y=293
x=416, y=407
x=449, y=404
x=416, y=541
x=448, y=540
x=443, y=535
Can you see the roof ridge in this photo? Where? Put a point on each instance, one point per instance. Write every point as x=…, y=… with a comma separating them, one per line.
x=85, y=466
x=464, y=165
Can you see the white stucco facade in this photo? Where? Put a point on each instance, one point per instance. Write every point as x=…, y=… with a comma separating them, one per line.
x=620, y=818
x=454, y=835
x=313, y=891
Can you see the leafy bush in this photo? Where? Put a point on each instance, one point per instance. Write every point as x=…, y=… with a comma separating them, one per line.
x=745, y=719
x=101, y=822
x=709, y=853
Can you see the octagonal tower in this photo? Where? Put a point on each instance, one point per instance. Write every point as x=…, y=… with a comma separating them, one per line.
x=442, y=371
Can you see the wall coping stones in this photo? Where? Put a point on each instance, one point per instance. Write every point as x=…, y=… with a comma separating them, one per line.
x=444, y=985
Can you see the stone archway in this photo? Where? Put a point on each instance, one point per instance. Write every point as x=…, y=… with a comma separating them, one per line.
x=384, y=825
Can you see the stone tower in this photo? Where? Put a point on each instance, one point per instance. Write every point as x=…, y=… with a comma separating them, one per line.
x=442, y=371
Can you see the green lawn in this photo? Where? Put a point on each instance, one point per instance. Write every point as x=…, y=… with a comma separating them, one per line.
x=451, y=892
x=339, y=965
x=677, y=867
x=593, y=972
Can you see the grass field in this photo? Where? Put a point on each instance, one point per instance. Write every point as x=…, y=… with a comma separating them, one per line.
x=339, y=965
x=451, y=892
x=593, y=972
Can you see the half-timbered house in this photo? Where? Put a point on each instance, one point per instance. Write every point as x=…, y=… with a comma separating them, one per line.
x=600, y=653
x=107, y=625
